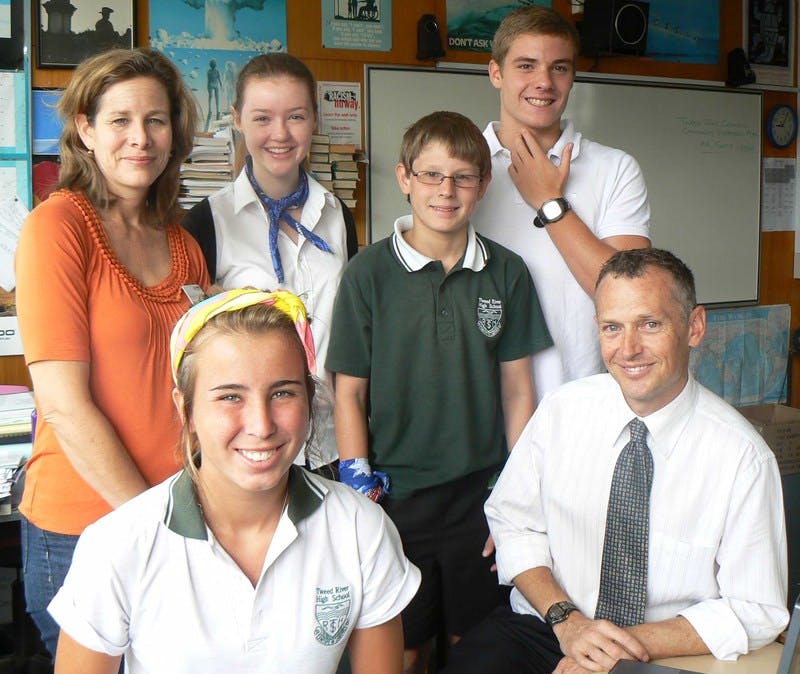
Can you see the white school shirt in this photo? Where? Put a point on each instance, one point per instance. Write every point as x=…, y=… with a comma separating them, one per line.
x=608, y=193
x=717, y=552
x=244, y=259
x=150, y=581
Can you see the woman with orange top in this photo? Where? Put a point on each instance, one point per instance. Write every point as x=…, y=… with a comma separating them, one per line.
x=103, y=273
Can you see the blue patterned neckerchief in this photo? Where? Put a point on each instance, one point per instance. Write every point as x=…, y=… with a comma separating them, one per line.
x=277, y=209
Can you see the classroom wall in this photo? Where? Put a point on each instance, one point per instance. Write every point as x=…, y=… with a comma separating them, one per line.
x=304, y=41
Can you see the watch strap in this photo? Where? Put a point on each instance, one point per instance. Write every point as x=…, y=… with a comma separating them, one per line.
x=541, y=219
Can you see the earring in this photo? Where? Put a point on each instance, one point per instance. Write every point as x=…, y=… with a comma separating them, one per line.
x=90, y=152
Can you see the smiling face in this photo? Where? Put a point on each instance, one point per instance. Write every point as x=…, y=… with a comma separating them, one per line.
x=534, y=82
x=440, y=210
x=250, y=410
x=277, y=121
x=645, y=337
x=130, y=135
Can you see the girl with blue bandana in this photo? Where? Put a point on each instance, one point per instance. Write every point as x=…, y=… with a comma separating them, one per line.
x=275, y=226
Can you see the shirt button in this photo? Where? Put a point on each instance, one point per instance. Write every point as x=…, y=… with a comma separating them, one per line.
x=444, y=312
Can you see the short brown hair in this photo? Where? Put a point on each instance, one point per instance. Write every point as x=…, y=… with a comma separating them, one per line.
x=637, y=262
x=257, y=319
x=275, y=64
x=457, y=133
x=531, y=21
x=86, y=87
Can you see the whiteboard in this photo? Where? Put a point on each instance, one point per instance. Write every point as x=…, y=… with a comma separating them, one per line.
x=699, y=149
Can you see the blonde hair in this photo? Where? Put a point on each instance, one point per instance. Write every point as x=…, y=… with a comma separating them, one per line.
x=257, y=319
x=83, y=94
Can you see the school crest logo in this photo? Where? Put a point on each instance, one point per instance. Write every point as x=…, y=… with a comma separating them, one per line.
x=332, y=613
x=490, y=316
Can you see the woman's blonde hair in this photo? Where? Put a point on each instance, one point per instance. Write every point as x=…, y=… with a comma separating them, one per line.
x=89, y=82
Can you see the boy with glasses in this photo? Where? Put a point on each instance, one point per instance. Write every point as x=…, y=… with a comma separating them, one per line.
x=433, y=331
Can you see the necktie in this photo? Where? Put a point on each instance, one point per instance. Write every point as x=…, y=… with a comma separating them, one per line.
x=623, y=572
x=276, y=209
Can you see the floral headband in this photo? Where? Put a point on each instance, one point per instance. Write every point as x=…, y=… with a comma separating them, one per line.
x=193, y=320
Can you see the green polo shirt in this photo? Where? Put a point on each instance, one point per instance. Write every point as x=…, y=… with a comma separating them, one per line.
x=431, y=345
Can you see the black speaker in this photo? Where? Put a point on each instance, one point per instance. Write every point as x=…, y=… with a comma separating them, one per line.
x=739, y=70
x=614, y=27
x=429, y=42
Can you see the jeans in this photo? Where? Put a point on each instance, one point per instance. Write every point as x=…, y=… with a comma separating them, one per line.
x=46, y=558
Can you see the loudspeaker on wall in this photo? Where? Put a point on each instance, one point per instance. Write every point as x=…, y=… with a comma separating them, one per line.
x=429, y=41
x=739, y=70
x=614, y=27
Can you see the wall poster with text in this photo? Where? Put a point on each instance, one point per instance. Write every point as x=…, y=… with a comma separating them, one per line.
x=471, y=25
x=357, y=24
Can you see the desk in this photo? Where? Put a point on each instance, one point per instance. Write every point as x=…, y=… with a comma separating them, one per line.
x=763, y=661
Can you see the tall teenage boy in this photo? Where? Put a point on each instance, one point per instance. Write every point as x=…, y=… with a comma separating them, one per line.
x=564, y=203
x=433, y=331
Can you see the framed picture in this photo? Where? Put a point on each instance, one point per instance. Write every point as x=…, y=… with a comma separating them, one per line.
x=769, y=27
x=71, y=31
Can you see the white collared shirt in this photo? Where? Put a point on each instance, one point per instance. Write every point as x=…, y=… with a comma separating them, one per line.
x=151, y=582
x=243, y=259
x=475, y=254
x=607, y=191
x=717, y=552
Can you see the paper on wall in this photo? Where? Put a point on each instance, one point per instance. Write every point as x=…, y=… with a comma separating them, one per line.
x=12, y=215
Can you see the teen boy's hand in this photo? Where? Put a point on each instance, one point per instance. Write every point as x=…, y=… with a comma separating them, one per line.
x=535, y=176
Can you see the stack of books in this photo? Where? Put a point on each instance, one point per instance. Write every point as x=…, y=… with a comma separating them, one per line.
x=15, y=417
x=319, y=160
x=344, y=159
x=16, y=428
x=209, y=166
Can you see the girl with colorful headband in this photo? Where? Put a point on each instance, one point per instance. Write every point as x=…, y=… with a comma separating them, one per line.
x=276, y=226
x=242, y=561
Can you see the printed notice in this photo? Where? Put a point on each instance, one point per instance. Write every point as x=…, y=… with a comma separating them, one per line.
x=12, y=215
x=340, y=112
x=8, y=110
x=357, y=24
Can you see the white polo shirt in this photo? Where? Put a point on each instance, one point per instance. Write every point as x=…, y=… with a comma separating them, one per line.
x=243, y=259
x=607, y=192
x=150, y=581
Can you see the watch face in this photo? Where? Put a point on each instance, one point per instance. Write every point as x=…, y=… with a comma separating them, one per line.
x=551, y=209
x=782, y=126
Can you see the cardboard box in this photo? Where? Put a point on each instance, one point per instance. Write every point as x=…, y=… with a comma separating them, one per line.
x=779, y=425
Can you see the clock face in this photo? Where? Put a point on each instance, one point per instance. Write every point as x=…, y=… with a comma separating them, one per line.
x=782, y=126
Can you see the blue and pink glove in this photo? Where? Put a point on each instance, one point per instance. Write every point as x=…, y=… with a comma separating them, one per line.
x=358, y=474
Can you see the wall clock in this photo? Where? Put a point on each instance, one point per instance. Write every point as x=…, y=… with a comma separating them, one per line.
x=782, y=125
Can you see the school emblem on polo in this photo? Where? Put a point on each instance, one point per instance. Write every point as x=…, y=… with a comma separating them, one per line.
x=490, y=316
x=332, y=613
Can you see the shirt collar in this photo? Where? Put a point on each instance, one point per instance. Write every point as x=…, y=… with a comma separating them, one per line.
x=475, y=256
x=568, y=135
x=244, y=195
x=184, y=516
x=664, y=426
